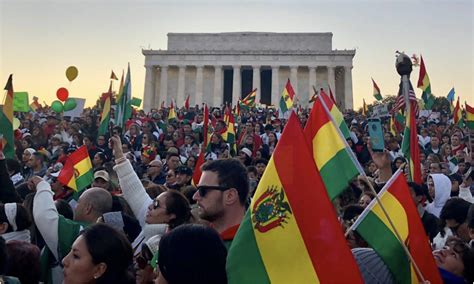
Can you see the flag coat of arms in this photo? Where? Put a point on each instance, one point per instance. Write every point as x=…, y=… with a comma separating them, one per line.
x=290, y=233
x=77, y=172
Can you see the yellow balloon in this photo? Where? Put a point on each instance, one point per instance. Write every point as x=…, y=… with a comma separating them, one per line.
x=71, y=73
x=16, y=123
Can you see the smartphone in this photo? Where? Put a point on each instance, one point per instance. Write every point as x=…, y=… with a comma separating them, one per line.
x=376, y=134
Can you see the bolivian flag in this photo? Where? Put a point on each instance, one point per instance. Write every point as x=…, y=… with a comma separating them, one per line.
x=249, y=101
x=425, y=85
x=410, y=147
x=286, y=100
x=374, y=227
x=457, y=114
x=77, y=171
x=290, y=233
x=6, y=121
x=365, y=109
x=377, y=94
x=336, y=114
x=105, y=116
x=229, y=134
x=329, y=150
x=172, y=112
x=469, y=116
x=197, y=169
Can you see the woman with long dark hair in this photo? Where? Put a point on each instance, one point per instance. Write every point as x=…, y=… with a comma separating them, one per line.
x=100, y=254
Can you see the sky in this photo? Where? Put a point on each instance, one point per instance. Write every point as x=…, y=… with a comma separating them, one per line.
x=39, y=39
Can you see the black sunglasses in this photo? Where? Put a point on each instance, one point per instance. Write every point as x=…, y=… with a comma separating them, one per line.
x=203, y=189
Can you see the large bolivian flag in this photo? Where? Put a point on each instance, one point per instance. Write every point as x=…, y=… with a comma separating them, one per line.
x=290, y=233
x=77, y=171
x=375, y=228
x=329, y=151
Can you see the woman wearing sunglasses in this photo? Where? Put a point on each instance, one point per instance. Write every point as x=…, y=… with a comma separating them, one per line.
x=170, y=208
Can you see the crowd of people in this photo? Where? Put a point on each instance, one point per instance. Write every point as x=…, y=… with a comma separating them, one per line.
x=145, y=220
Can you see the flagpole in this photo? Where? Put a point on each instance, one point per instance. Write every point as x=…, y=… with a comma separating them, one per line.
x=405, y=248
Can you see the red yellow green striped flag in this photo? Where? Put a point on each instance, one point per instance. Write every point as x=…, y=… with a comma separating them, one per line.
x=469, y=116
x=290, y=233
x=376, y=229
x=336, y=114
x=365, y=109
x=249, y=101
x=377, y=94
x=457, y=114
x=6, y=121
x=410, y=147
x=172, y=112
x=329, y=150
x=425, y=85
x=77, y=171
x=105, y=116
x=229, y=134
x=286, y=100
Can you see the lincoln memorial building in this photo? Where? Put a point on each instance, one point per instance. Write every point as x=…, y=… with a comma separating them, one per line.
x=217, y=68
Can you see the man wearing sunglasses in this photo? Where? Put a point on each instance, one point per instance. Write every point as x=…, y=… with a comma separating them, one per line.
x=221, y=196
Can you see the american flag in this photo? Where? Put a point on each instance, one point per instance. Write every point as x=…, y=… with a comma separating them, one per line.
x=400, y=101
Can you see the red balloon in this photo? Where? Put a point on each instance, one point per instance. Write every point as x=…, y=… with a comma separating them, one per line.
x=62, y=94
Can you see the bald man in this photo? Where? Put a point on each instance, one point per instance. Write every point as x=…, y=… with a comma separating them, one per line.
x=155, y=173
x=58, y=232
x=92, y=204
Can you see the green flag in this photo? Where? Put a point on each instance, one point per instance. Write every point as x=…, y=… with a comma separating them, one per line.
x=20, y=102
x=136, y=102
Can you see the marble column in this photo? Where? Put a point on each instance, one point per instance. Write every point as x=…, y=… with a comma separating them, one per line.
x=164, y=85
x=294, y=78
x=199, y=85
x=332, y=80
x=275, y=86
x=256, y=82
x=149, y=93
x=181, y=83
x=236, y=85
x=312, y=83
x=218, y=95
x=348, y=99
